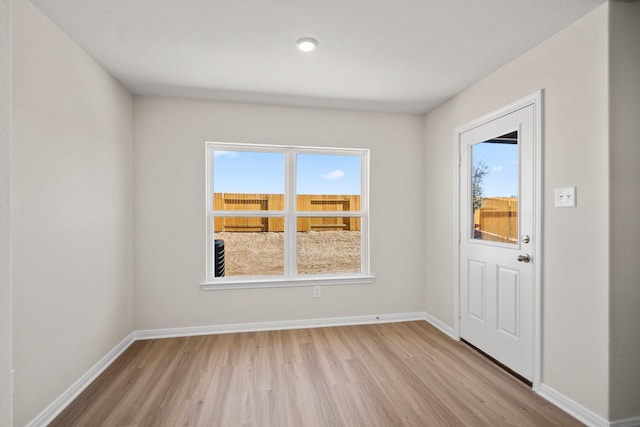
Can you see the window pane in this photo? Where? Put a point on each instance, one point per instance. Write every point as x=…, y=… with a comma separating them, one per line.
x=253, y=246
x=247, y=180
x=328, y=182
x=495, y=189
x=328, y=245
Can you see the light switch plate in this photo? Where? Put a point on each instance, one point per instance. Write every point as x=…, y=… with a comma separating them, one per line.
x=565, y=197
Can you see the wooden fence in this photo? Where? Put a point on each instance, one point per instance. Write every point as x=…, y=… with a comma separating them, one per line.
x=273, y=202
x=497, y=219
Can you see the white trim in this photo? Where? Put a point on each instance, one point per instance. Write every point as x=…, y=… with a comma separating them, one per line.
x=254, y=283
x=437, y=323
x=627, y=422
x=456, y=234
x=534, y=99
x=572, y=408
x=58, y=405
x=503, y=111
x=538, y=191
x=275, y=148
x=291, y=222
x=290, y=214
x=278, y=325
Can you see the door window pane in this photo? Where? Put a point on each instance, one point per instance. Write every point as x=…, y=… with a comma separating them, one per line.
x=328, y=245
x=495, y=186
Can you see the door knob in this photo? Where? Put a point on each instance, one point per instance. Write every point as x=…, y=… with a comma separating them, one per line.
x=524, y=258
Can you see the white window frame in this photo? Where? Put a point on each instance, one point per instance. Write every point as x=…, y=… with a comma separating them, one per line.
x=290, y=214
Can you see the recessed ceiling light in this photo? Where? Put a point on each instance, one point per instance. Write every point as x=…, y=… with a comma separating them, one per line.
x=307, y=44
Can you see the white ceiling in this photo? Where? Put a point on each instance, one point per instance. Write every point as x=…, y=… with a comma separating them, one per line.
x=378, y=55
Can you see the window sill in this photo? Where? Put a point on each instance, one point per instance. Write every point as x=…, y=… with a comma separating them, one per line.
x=285, y=283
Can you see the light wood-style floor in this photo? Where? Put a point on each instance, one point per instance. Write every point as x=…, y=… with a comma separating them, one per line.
x=399, y=374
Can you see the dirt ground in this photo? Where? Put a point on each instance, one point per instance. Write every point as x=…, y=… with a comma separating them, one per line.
x=318, y=252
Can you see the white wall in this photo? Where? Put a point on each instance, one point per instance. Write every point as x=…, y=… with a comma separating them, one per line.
x=571, y=67
x=71, y=212
x=625, y=204
x=170, y=223
x=6, y=401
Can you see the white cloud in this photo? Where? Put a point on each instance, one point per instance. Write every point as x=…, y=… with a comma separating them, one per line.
x=497, y=169
x=514, y=162
x=336, y=174
x=219, y=153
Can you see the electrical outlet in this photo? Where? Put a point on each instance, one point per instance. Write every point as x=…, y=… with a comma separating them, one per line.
x=317, y=291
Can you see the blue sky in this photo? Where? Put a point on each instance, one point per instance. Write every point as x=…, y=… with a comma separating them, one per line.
x=248, y=172
x=259, y=172
x=502, y=162
x=319, y=174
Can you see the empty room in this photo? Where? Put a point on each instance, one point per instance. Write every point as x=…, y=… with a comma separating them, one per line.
x=319, y=213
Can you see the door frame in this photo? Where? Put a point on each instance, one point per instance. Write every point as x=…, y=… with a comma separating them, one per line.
x=534, y=99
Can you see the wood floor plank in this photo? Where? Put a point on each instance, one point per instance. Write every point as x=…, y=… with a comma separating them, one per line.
x=398, y=374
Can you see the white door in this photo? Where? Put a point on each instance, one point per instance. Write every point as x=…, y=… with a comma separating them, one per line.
x=497, y=238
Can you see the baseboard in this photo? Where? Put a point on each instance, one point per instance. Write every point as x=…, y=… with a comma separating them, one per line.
x=277, y=325
x=572, y=408
x=58, y=405
x=628, y=422
x=441, y=325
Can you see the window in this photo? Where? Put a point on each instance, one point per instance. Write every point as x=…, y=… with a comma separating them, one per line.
x=286, y=216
